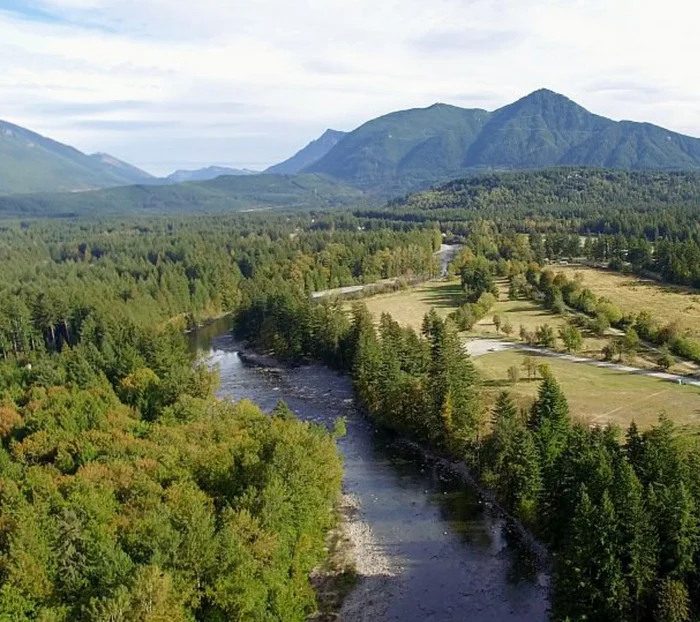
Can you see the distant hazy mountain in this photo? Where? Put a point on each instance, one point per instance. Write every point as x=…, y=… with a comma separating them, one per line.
x=202, y=174
x=310, y=154
x=223, y=194
x=544, y=129
x=33, y=163
x=121, y=168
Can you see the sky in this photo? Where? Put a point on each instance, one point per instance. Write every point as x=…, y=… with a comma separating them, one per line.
x=168, y=84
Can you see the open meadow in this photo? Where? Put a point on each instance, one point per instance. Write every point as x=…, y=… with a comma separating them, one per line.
x=530, y=315
x=596, y=395
x=409, y=306
x=667, y=303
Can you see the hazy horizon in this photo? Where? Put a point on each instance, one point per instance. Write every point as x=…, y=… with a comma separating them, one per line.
x=246, y=86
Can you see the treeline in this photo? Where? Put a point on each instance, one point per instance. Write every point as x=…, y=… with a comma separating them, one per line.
x=55, y=279
x=653, y=203
x=620, y=519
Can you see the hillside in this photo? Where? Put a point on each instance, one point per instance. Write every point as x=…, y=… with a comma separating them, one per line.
x=534, y=132
x=416, y=145
x=419, y=147
x=203, y=174
x=570, y=192
x=309, y=155
x=30, y=162
x=223, y=194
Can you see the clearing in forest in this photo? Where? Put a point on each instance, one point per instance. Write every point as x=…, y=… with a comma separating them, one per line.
x=409, y=306
x=596, y=395
x=524, y=312
x=666, y=303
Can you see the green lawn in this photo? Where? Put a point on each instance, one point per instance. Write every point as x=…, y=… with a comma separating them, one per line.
x=597, y=395
x=408, y=307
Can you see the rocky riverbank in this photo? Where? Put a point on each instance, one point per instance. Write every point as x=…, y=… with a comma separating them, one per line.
x=376, y=577
x=354, y=583
x=261, y=361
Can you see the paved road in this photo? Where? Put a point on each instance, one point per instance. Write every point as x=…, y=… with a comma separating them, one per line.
x=479, y=347
x=446, y=254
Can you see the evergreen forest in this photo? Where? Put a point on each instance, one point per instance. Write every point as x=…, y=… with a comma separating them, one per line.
x=129, y=491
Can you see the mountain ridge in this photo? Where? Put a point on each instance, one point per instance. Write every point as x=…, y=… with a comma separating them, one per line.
x=222, y=194
x=308, y=155
x=418, y=147
x=401, y=151
x=30, y=162
x=204, y=174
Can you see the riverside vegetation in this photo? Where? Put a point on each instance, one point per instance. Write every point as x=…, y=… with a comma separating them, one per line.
x=619, y=510
x=128, y=493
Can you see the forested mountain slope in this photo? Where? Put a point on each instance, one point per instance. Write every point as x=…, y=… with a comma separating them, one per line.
x=544, y=129
x=401, y=147
x=223, y=194
x=572, y=192
x=32, y=163
x=309, y=155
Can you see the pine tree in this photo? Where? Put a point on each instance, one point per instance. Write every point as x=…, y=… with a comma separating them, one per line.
x=672, y=602
x=505, y=425
x=512, y=459
x=675, y=515
x=366, y=361
x=549, y=420
x=451, y=372
x=634, y=449
x=525, y=477
x=638, y=538
x=589, y=579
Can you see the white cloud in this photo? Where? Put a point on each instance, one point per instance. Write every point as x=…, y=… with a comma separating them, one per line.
x=165, y=83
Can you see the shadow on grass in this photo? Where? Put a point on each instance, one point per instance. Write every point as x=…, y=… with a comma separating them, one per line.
x=450, y=296
x=523, y=309
x=497, y=384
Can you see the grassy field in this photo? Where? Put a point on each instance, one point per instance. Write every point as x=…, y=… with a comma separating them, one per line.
x=408, y=307
x=530, y=315
x=630, y=293
x=597, y=395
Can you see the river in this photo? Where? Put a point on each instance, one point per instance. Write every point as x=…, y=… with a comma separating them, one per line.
x=454, y=557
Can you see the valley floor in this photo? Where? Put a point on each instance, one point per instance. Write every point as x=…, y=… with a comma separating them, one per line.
x=599, y=392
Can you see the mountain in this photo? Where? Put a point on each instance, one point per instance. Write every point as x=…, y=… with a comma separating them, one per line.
x=534, y=132
x=30, y=162
x=203, y=174
x=309, y=155
x=121, y=168
x=223, y=194
x=419, y=147
x=423, y=142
